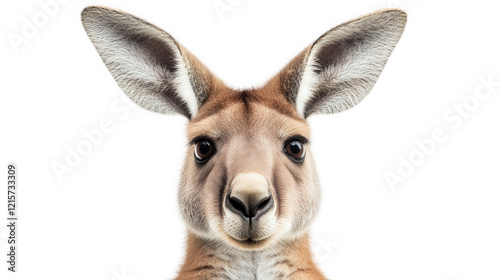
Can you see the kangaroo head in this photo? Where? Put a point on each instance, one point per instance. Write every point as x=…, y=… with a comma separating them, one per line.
x=249, y=179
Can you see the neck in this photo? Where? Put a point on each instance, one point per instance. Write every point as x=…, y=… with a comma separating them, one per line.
x=211, y=260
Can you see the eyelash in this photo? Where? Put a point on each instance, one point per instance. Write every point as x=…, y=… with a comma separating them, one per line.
x=198, y=138
x=298, y=137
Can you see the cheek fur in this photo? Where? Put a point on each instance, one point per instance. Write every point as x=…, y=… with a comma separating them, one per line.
x=297, y=192
x=202, y=191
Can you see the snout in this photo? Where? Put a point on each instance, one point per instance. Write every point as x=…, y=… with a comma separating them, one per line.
x=249, y=208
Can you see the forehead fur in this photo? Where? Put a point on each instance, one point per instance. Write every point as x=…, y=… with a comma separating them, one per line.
x=271, y=95
x=247, y=112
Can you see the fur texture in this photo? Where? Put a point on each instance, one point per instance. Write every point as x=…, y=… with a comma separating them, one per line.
x=146, y=62
x=249, y=131
x=338, y=70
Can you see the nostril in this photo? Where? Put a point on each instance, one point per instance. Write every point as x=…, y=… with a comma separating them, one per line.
x=236, y=205
x=263, y=203
x=262, y=207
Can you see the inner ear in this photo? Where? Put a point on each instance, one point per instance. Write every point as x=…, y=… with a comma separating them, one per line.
x=332, y=53
x=338, y=70
x=157, y=50
x=151, y=68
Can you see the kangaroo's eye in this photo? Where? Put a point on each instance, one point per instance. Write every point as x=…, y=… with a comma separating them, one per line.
x=296, y=150
x=203, y=150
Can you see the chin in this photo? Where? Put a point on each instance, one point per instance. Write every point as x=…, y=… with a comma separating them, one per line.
x=250, y=244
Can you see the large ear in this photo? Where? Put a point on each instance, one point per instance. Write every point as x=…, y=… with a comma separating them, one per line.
x=147, y=63
x=338, y=70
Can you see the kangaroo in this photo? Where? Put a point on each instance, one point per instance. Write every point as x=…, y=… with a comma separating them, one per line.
x=248, y=190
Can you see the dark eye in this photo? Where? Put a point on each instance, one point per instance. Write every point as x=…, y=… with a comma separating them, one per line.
x=295, y=149
x=203, y=150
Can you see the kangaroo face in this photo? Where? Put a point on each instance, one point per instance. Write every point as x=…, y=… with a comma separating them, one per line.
x=249, y=179
x=248, y=175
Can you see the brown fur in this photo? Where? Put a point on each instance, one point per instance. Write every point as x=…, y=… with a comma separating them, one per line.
x=249, y=132
x=260, y=121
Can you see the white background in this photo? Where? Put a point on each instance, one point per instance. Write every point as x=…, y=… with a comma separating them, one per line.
x=115, y=215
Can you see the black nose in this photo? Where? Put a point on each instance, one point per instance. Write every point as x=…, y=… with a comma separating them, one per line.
x=248, y=208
